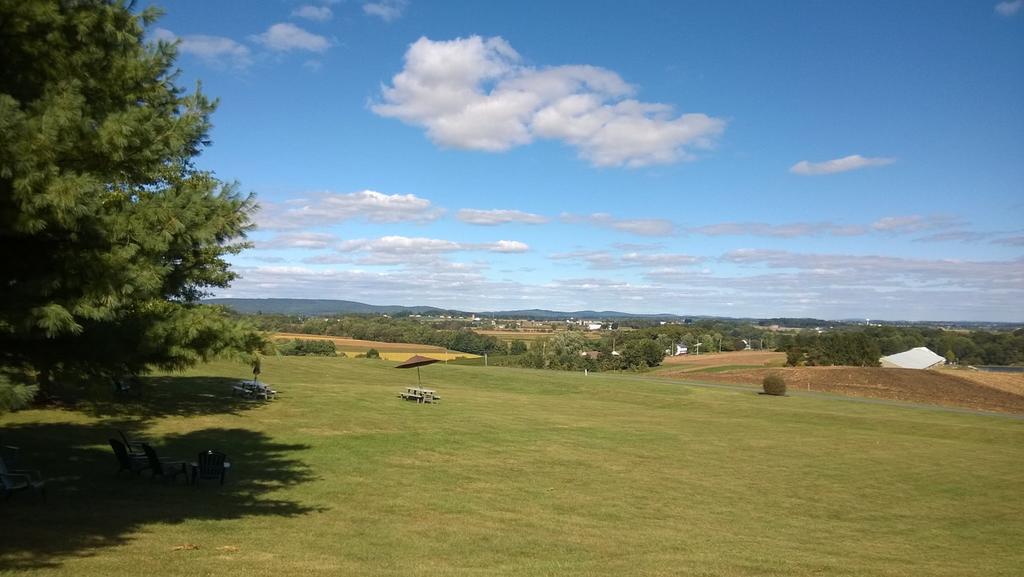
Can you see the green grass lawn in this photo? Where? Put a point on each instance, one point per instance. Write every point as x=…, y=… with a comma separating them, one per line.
x=516, y=472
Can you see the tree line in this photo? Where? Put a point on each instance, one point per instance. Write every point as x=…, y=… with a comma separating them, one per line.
x=453, y=336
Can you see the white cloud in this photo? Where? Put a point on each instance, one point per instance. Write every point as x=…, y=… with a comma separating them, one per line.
x=1010, y=240
x=953, y=236
x=637, y=226
x=1009, y=7
x=332, y=208
x=788, y=230
x=386, y=10
x=507, y=246
x=606, y=260
x=399, y=245
x=891, y=272
x=852, y=162
x=474, y=93
x=391, y=250
x=915, y=223
x=826, y=286
x=285, y=37
x=214, y=50
x=316, y=13
x=308, y=240
x=498, y=216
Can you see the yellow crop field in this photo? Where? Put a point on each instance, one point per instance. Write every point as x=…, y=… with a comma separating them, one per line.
x=508, y=336
x=529, y=337
x=389, y=351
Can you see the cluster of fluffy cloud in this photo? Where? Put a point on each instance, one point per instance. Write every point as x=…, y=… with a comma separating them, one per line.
x=474, y=93
x=332, y=208
x=774, y=283
x=386, y=250
x=220, y=51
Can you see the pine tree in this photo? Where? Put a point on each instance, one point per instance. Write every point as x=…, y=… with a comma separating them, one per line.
x=109, y=234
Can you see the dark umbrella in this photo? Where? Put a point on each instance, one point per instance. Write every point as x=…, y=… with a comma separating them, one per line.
x=416, y=361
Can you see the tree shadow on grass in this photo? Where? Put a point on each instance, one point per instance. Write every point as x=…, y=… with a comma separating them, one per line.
x=90, y=508
x=170, y=396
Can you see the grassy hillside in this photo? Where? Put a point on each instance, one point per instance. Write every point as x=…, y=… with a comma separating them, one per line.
x=516, y=472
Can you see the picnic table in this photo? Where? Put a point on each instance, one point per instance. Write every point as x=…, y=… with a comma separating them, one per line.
x=253, y=389
x=420, y=395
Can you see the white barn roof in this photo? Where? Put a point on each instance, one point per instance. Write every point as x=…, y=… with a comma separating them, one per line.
x=919, y=358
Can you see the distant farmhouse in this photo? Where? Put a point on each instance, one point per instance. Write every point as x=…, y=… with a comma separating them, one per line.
x=919, y=358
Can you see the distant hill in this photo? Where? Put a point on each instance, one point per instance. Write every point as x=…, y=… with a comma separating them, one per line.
x=543, y=314
x=306, y=307
x=340, y=307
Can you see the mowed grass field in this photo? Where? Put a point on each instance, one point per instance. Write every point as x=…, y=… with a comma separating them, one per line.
x=388, y=351
x=516, y=472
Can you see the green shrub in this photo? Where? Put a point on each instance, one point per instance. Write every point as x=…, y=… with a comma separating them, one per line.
x=372, y=354
x=774, y=384
x=307, y=348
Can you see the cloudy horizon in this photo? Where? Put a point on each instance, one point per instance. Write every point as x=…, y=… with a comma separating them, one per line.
x=666, y=159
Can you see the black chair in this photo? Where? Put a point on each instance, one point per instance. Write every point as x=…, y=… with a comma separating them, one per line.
x=134, y=446
x=13, y=480
x=126, y=460
x=210, y=465
x=9, y=454
x=163, y=468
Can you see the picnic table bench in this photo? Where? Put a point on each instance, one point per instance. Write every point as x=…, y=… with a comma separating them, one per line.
x=420, y=395
x=253, y=389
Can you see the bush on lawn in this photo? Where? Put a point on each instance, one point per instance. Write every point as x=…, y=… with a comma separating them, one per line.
x=774, y=384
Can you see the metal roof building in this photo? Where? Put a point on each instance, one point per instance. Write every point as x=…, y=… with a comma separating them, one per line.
x=919, y=358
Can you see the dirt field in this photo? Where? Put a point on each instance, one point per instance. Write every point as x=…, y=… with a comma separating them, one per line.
x=1010, y=382
x=970, y=389
x=732, y=358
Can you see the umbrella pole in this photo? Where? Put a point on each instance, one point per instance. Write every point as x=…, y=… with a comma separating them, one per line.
x=418, y=381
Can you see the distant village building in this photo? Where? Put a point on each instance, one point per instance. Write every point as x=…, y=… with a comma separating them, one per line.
x=594, y=326
x=919, y=358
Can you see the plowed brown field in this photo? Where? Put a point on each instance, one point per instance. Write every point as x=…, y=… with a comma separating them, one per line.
x=956, y=388
x=698, y=362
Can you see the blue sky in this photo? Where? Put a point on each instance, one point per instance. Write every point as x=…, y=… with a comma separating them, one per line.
x=827, y=159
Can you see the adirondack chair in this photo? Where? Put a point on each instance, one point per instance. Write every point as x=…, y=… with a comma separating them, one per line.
x=210, y=465
x=134, y=446
x=14, y=480
x=9, y=454
x=126, y=460
x=163, y=468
